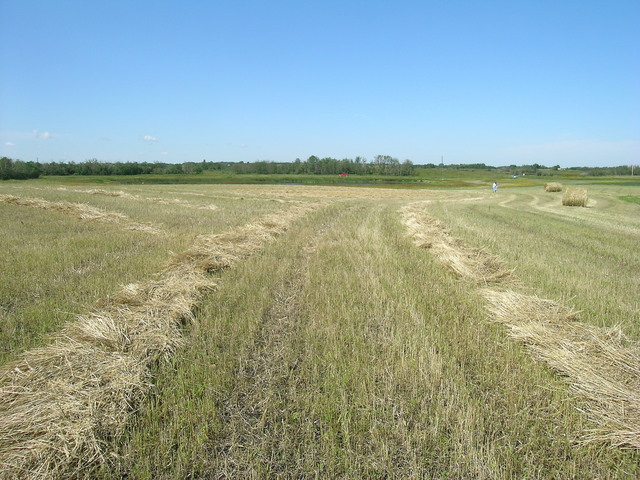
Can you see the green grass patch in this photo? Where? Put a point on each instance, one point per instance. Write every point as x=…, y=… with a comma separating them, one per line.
x=56, y=266
x=588, y=256
x=340, y=350
x=630, y=198
x=345, y=352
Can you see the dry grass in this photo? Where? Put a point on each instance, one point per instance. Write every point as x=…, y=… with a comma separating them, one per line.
x=160, y=200
x=81, y=211
x=553, y=187
x=285, y=192
x=64, y=403
x=599, y=364
x=109, y=193
x=217, y=252
x=474, y=264
x=575, y=197
x=183, y=203
x=341, y=353
x=357, y=358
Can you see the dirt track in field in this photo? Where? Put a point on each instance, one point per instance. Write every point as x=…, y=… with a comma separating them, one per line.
x=256, y=410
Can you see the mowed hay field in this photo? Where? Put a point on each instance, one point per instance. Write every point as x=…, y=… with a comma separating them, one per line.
x=182, y=331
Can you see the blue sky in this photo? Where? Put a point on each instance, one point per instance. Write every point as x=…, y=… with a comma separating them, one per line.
x=497, y=82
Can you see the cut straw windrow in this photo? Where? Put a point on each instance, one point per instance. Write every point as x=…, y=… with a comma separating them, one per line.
x=600, y=365
x=81, y=211
x=62, y=406
x=473, y=264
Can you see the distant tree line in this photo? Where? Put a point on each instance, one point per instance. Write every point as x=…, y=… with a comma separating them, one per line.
x=380, y=165
x=18, y=170
x=541, y=170
x=534, y=169
x=538, y=169
x=608, y=171
x=459, y=166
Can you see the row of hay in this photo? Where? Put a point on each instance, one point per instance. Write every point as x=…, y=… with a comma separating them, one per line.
x=63, y=405
x=81, y=211
x=598, y=364
x=163, y=201
x=476, y=265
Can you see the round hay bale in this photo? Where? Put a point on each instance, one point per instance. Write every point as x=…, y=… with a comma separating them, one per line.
x=575, y=197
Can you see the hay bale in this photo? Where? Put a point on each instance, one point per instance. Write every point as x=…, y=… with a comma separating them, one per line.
x=575, y=197
x=553, y=187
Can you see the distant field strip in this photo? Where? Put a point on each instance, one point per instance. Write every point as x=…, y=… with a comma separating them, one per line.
x=120, y=193
x=601, y=365
x=177, y=201
x=81, y=211
x=551, y=203
x=62, y=405
x=163, y=201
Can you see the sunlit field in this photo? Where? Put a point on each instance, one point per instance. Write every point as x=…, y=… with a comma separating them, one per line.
x=262, y=331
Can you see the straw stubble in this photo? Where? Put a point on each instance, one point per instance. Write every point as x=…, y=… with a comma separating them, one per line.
x=600, y=365
x=63, y=405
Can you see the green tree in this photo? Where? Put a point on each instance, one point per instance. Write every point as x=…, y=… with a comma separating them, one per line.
x=6, y=168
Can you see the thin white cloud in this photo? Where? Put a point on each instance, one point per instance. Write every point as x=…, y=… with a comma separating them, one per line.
x=43, y=135
x=10, y=144
x=149, y=138
x=164, y=153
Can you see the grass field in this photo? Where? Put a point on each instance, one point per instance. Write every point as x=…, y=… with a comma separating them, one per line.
x=319, y=331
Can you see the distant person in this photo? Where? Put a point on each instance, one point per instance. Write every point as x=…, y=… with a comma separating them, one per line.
x=495, y=187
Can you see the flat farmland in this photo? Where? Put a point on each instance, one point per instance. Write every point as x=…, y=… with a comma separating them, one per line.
x=263, y=331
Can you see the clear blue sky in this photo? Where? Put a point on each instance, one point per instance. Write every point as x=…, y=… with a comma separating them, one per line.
x=497, y=82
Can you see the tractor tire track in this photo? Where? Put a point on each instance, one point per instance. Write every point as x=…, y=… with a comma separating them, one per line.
x=255, y=414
